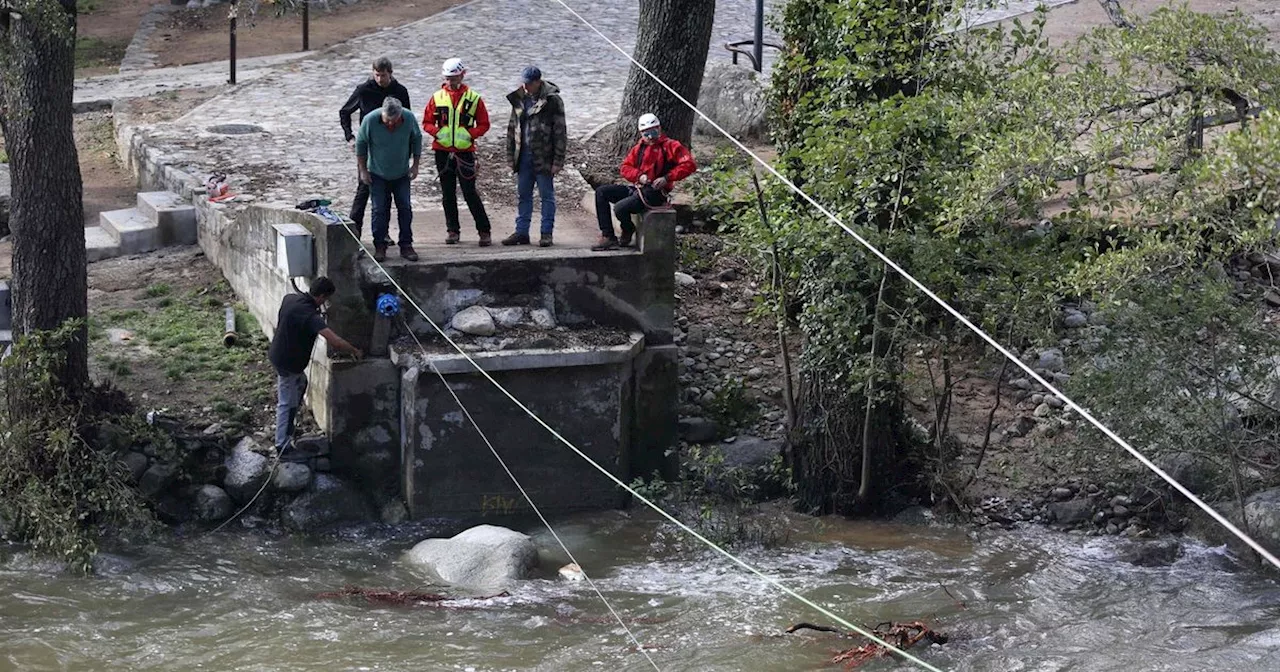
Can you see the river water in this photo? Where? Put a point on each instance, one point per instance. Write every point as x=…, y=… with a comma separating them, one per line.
x=1034, y=600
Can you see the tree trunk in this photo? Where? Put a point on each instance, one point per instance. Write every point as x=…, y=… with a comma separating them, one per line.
x=672, y=42
x=37, y=67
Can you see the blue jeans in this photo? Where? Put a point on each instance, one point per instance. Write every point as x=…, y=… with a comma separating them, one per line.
x=290, y=388
x=546, y=194
x=382, y=191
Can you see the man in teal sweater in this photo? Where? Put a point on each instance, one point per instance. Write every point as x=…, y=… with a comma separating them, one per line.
x=388, y=148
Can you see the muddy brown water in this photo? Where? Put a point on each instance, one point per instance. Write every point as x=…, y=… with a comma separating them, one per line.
x=1036, y=601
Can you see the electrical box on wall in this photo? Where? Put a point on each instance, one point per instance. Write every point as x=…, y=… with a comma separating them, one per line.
x=294, y=253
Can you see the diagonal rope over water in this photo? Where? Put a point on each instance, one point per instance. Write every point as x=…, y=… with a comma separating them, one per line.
x=564, y=547
x=617, y=481
x=1068, y=401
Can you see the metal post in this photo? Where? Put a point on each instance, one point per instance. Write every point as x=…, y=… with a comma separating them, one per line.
x=759, y=44
x=232, y=16
x=306, y=25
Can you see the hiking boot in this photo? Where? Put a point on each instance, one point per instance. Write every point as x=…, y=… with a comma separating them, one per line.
x=625, y=240
x=452, y=238
x=406, y=252
x=605, y=244
x=545, y=240
x=516, y=239
x=485, y=239
x=379, y=253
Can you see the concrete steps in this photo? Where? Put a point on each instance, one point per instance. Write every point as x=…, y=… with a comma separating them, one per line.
x=160, y=219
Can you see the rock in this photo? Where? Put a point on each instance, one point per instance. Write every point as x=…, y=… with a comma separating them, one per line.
x=476, y=321
x=1120, y=511
x=1074, y=319
x=698, y=430
x=507, y=317
x=697, y=335
x=1051, y=360
x=1189, y=469
x=136, y=463
x=749, y=452
x=213, y=430
x=212, y=504
x=485, y=557
x=685, y=280
x=1112, y=528
x=1061, y=494
x=156, y=480
x=1054, y=401
x=734, y=98
x=755, y=373
x=247, y=471
x=1043, y=411
x=728, y=275
x=1159, y=553
x=1020, y=384
x=172, y=509
x=1272, y=298
x=330, y=501
x=542, y=318
x=291, y=477
x=1019, y=426
x=1069, y=512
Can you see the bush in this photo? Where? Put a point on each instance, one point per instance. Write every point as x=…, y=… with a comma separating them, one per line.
x=58, y=487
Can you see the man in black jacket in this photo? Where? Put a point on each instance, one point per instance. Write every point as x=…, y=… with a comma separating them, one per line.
x=368, y=98
x=297, y=326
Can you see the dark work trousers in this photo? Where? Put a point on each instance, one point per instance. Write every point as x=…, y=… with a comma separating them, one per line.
x=358, y=205
x=383, y=193
x=626, y=202
x=455, y=167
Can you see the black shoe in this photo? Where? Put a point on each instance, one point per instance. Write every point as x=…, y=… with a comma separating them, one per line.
x=452, y=238
x=545, y=240
x=379, y=253
x=516, y=239
x=625, y=240
x=605, y=244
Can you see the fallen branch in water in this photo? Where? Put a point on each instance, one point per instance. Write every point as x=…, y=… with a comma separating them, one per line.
x=903, y=636
x=399, y=597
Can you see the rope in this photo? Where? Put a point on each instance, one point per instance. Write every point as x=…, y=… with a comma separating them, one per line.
x=675, y=521
x=1070, y=403
x=527, y=498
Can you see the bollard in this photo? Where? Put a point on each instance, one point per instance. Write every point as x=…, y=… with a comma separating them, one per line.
x=232, y=13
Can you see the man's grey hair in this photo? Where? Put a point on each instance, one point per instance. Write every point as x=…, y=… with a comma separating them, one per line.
x=383, y=64
x=391, y=108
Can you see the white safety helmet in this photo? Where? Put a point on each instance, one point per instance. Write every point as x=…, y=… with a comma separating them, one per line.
x=452, y=67
x=648, y=121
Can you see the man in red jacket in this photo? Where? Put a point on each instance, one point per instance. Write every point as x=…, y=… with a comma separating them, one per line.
x=456, y=117
x=652, y=167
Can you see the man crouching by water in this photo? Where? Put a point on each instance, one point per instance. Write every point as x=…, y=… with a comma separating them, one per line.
x=297, y=326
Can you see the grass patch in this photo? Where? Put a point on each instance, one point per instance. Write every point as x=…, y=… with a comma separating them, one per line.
x=186, y=334
x=157, y=290
x=117, y=366
x=4, y=156
x=94, y=52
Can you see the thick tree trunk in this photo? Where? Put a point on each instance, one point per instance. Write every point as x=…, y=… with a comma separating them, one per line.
x=37, y=67
x=672, y=42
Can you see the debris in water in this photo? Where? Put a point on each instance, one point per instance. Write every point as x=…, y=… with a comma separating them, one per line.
x=399, y=597
x=902, y=635
x=572, y=572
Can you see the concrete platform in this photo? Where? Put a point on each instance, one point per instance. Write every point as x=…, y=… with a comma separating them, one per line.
x=99, y=245
x=131, y=227
x=175, y=217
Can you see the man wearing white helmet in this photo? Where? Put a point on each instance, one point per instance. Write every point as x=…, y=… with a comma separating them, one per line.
x=652, y=167
x=456, y=117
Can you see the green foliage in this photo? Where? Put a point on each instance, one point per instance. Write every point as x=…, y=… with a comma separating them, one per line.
x=722, y=502
x=94, y=52
x=57, y=488
x=731, y=406
x=4, y=156
x=1003, y=173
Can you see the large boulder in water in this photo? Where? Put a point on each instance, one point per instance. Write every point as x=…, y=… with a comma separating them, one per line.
x=330, y=501
x=485, y=557
x=734, y=97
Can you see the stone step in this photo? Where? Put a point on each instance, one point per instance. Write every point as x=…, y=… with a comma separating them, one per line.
x=99, y=245
x=175, y=217
x=132, y=230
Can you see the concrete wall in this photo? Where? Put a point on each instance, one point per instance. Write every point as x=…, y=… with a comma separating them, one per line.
x=634, y=292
